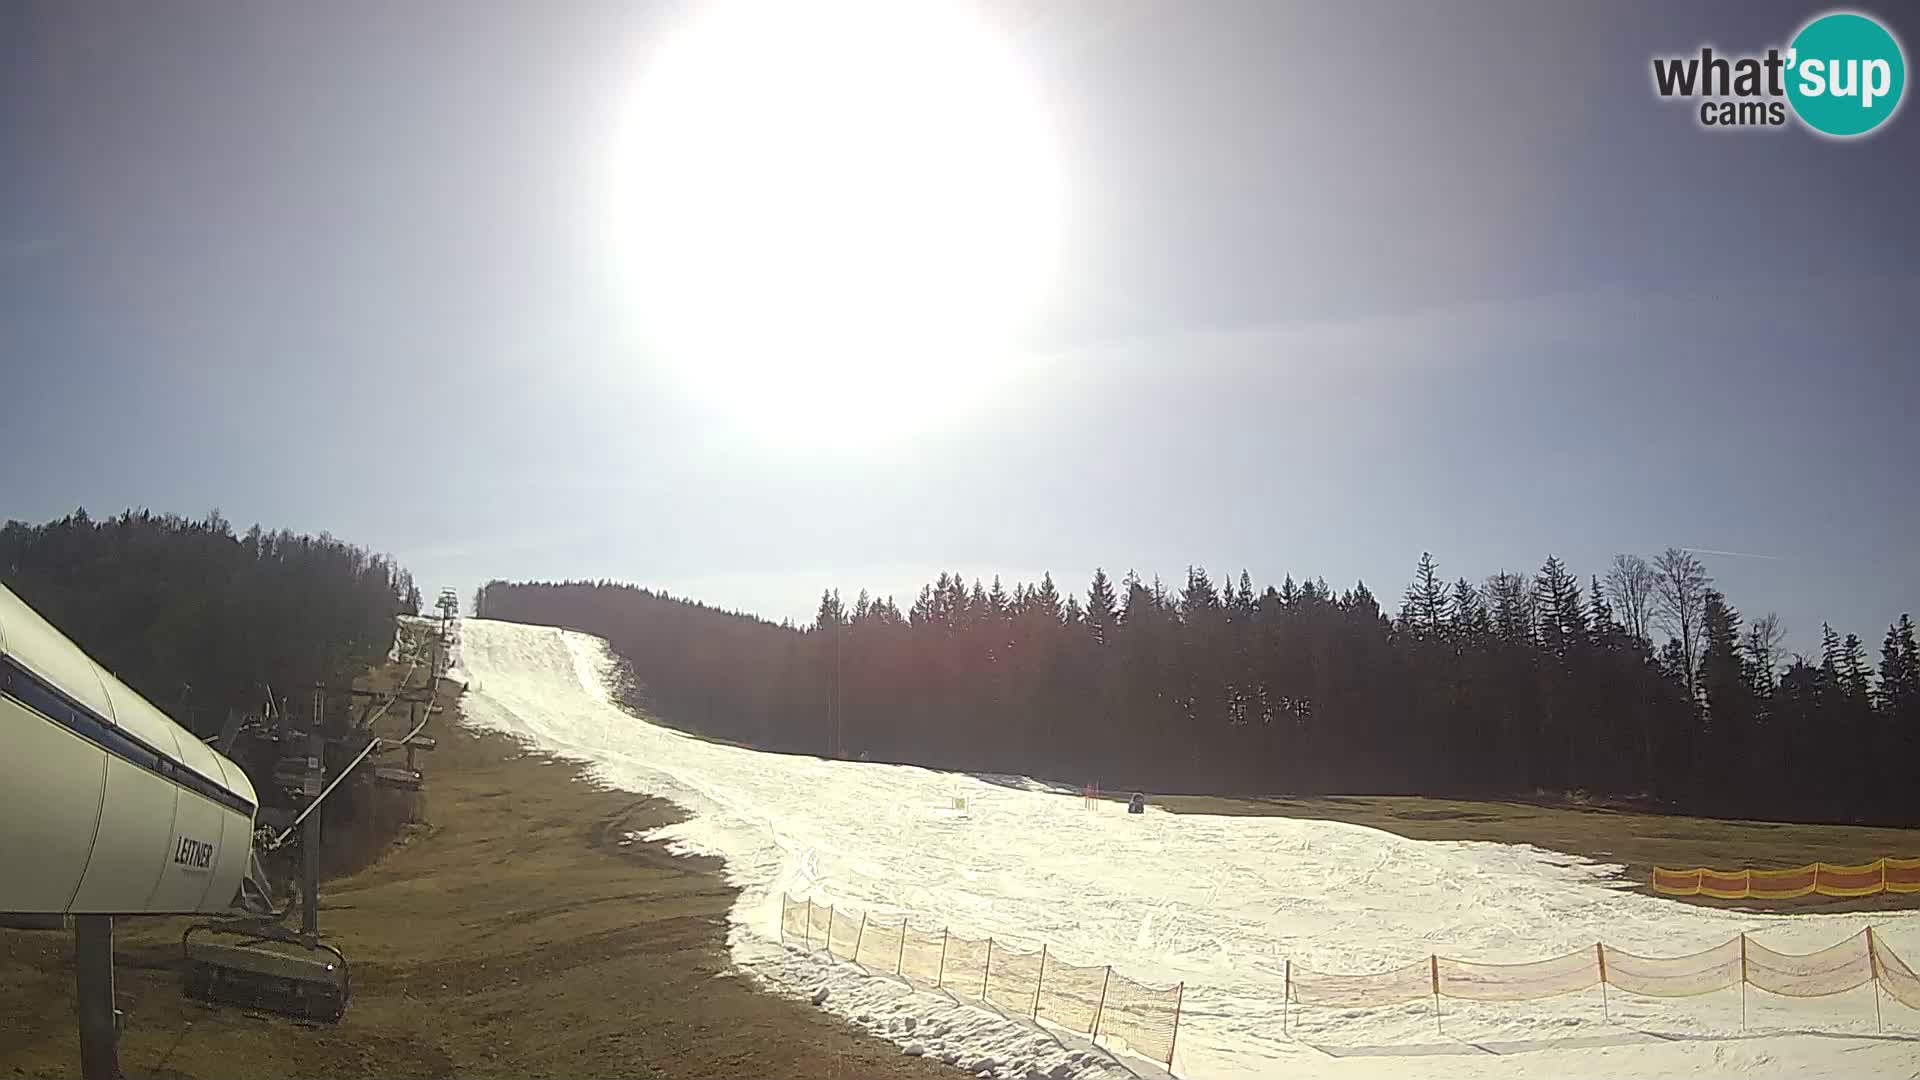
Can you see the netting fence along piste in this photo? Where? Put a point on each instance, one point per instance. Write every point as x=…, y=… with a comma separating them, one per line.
x=1097, y=1001
x=1861, y=959
x=1093, y=1000
x=1881, y=875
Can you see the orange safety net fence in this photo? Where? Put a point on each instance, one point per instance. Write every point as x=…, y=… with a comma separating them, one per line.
x=1410, y=983
x=923, y=959
x=1827, y=879
x=793, y=920
x=1013, y=978
x=1146, y=1019
x=1677, y=976
x=1518, y=982
x=880, y=947
x=819, y=922
x=1833, y=970
x=1893, y=974
x=1782, y=884
x=966, y=966
x=1903, y=875
x=844, y=938
x=1093, y=1000
x=1071, y=995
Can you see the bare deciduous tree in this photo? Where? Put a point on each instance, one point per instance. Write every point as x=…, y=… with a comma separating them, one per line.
x=1629, y=588
x=1679, y=604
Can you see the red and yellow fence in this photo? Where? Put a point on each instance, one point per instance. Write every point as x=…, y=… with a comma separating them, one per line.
x=1881, y=875
x=1093, y=1000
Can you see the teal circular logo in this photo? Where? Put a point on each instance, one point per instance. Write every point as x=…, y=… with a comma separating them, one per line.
x=1845, y=74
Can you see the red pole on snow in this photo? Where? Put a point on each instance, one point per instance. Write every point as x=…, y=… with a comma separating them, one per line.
x=900, y=959
x=858, y=938
x=809, y=934
x=986, y=971
x=940, y=977
x=829, y=929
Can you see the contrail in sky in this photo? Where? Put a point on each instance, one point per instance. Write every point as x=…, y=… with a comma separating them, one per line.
x=1733, y=554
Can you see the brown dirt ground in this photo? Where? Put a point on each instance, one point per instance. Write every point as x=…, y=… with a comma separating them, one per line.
x=511, y=935
x=1636, y=840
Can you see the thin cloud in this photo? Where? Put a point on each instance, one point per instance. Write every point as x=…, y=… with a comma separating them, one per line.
x=1733, y=554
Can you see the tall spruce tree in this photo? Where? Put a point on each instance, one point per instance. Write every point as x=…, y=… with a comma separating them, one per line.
x=1425, y=606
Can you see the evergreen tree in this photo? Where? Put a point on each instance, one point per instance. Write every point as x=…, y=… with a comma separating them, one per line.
x=1243, y=602
x=1730, y=707
x=1467, y=611
x=1762, y=647
x=201, y=621
x=1424, y=610
x=1600, y=613
x=1101, y=610
x=1900, y=670
x=1045, y=600
x=1512, y=607
x=1853, y=670
x=1562, y=620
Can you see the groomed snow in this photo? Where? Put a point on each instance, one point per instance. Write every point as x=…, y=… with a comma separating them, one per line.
x=1216, y=902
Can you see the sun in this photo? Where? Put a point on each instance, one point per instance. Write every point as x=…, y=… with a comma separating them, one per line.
x=835, y=218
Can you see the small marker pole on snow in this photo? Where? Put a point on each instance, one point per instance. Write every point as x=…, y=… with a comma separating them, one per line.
x=1433, y=962
x=1041, y=980
x=1743, y=982
x=1873, y=965
x=1286, y=997
x=1094, y=1031
x=1600, y=954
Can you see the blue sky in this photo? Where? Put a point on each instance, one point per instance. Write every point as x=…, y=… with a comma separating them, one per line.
x=1340, y=284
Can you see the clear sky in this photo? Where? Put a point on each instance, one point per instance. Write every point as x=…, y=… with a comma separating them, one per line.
x=1336, y=283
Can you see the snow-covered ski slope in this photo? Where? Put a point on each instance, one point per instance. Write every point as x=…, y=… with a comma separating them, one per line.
x=1217, y=902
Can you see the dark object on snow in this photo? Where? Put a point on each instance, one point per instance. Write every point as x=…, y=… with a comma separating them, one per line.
x=1137, y=804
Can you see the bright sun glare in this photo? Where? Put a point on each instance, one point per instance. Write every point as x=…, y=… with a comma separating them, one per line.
x=837, y=214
